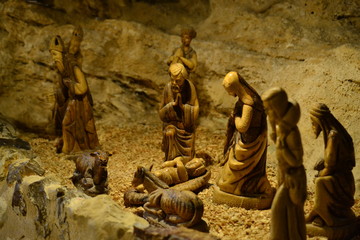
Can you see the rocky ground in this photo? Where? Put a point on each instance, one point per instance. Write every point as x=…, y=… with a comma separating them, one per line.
x=140, y=144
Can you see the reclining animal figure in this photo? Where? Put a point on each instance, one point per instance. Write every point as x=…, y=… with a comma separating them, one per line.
x=179, y=207
x=91, y=173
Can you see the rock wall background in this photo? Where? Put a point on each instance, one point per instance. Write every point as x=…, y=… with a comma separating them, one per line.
x=310, y=48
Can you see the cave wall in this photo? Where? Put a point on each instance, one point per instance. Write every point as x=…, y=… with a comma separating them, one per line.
x=310, y=48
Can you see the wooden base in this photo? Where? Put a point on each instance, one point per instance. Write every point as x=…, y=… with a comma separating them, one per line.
x=260, y=201
x=334, y=233
x=201, y=226
x=165, y=232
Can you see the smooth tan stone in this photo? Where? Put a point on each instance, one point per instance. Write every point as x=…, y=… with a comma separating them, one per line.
x=100, y=218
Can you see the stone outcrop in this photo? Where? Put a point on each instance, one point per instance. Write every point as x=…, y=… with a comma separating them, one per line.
x=38, y=207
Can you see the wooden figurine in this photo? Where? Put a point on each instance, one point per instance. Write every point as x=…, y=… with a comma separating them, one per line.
x=332, y=215
x=182, y=174
x=74, y=50
x=73, y=104
x=91, y=173
x=287, y=209
x=73, y=55
x=179, y=110
x=61, y=90
x=178, y=174
x=185, y=54
x=175, y=207
x=243, y=181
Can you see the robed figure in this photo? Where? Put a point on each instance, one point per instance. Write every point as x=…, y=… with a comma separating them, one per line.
x=179, y=110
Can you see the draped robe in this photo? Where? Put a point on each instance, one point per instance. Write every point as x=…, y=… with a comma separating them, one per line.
x=78, y=124
x=178, y=124
x=334, y=193
x=244, y=172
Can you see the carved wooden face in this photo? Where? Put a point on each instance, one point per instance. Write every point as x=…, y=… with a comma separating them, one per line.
x=74, y=46
x=58, y=58
x=103, y=157
x=316, y=128
x=176, y=82
x=230, y=91
x=186, y=40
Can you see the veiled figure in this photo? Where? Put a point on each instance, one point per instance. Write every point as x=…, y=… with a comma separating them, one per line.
x=334, y=185
x=72, y=55
x=77, y=123
x=287, y=209
x=244, y=170
x=179, y=110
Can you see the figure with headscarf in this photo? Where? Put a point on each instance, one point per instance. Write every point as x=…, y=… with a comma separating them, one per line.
x=74, y=105
x=334, y=185
x=185, y=54
x=72, y=55
x=179, y=110
x=244, y=170
x=287, y=209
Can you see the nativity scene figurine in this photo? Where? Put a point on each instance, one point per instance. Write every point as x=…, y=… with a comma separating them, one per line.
x=332, y=215
x=179, y=110
x=91, y=175
x=179, y=174
x=174, y=206
x=287, y=209
x=184, y=174
x=73, y=111
x=243, y=181
x=185, y=54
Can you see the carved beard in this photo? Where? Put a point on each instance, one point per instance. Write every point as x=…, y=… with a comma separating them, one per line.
x=60, y=66
x=175, y=88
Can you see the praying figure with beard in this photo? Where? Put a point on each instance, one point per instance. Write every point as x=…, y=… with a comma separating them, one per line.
x=179, y=110
x=334, y=184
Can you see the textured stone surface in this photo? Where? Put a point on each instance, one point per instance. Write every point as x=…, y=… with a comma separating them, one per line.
x=38, y=207
x=100, y=218
x=23, y=167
